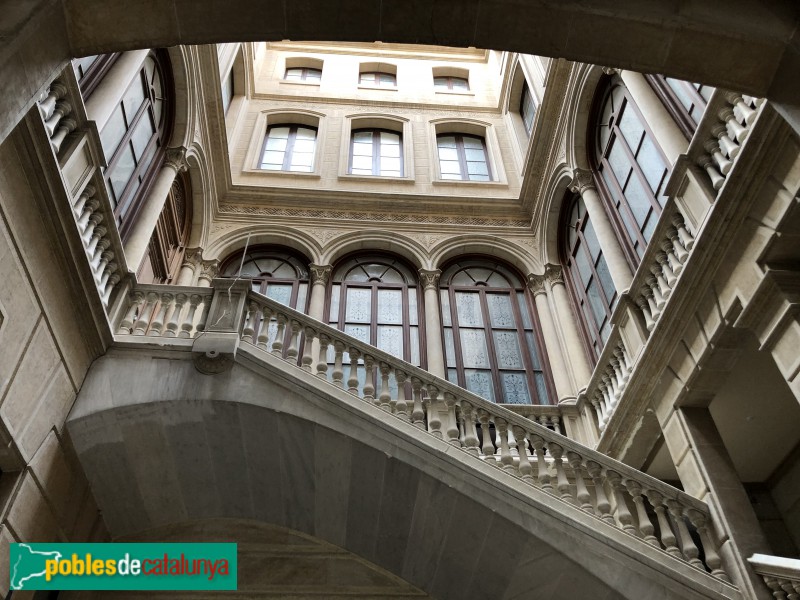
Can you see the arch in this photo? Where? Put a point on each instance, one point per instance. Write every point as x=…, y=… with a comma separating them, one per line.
x=487, y=245
x=280, y=235
x=387, y=241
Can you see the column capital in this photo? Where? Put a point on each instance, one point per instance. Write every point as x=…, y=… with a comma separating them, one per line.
x=611, y=70
x=429, y=279
x=536, y=284
x=581, y=181
x=192, y=257
x=554, y=274
x=208, y=269
x=320, y=274
x=176, y=159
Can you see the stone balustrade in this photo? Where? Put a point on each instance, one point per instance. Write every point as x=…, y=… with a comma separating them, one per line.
x=57, y=113
x=164, y=311
x=611, y=491
x=608, y=383
x=782, y=575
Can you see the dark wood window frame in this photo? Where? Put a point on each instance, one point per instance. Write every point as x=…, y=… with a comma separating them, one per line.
x=378, y=77
x=305, y=73
x=462, y=158
x=376, y=150
x=527, y=95
x=168, y=243
x=89, y=79
x=287, y=154
x=674, y=107
x=519, y=327
x=449, y=83
x=600, y=163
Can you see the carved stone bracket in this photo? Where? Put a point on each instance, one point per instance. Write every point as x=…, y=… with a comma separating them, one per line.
x=581, y=181
x=320, y=274
x=429, y=279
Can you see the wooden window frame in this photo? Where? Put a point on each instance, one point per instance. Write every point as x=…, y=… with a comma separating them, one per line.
x=92, y=77
x=304, y=74
x=450, y=80
x=171, y=235
x=462, y=157
x=287, y=155
x=526, y=93
x=674, y=107
x=376, y=147
x=377, y=83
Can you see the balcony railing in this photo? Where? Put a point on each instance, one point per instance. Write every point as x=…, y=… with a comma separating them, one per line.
x=612, y=492
x=782, y=575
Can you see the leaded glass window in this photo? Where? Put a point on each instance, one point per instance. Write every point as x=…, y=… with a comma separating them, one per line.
x=492, y=346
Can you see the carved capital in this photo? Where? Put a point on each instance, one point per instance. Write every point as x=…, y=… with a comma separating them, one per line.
x=176, y=159
x=536, y=284
x=554, y=274
x=192, y=257
x=610, y=70
x=581, y=181
x=209, y=269
x=320, y=274
x=429, y=279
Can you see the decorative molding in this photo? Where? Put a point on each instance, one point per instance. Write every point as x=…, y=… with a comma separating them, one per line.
x=217, y=227
x=581, y=181
x=427, y=240
x=429, y=279
x=320, y=274
x=536, y=284
x=324, y=235
x=554, y=274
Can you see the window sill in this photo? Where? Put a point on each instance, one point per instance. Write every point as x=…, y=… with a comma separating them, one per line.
x=488, y=184
x=305, y=83
x=379, y=88
x=375, y=178
x=305, y=174
x=455, y=92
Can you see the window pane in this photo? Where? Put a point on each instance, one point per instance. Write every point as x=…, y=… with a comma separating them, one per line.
x=532, y=351
x=122, y=171
x=515, y=388
x=638, y=200
x=631, y=127
x=605, y=280
x=592, y=243
x=360, y=332
x=414, y=340
x=445, y=300
x=142, y=134
x=584, y=267
x=390, y=339
x=620, y=163
x=113, y=133
x=334, y=311
x=506, y=345
x=652, y=164
x=390, y=306
x=524, y=311
x=272, y=160
x=449, y=347
x=359, y=305
x=500, y=312
x=468, y=309
x=280, y=292
x=480, y=383
x=473, y=348
x=598, y=309
x=133, y=99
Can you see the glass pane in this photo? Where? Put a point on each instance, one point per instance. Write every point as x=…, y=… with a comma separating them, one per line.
x=450, y=169
x=534, y=353
x=506, y=346
x=122, y=171
x=272, y=160
x=477, y=168
x=390, y=306
x=472, y=142
x=276, y=143
x=459, y=84
x=605, y=280
x=304, y=133
x=449, y=347
x=390, y=339
x=448, y=153
x=631, y=127
x=446, y=141
x=500, y=312
x=413, y=313
x=515, y=388
x=334, y=311
x=280, y=292
x=445, y=300
x=414, y=337
x=468, y=309
x=541, y=388
x=638, y=199
x=113, y=133
x=598, y=308
x=620, y=163
x=141, y=135
x=362, y=163
x=480, y=383
x=360, y=332
x=592, y=242
x=473, y=348
x=359, y=305
x=524, y=311
x=651, y=163
x=133, y=99
x=474, y=154
x=452, y=376
x=303, y=146
x=680, y=91
x=583, y=267
x=302, y=291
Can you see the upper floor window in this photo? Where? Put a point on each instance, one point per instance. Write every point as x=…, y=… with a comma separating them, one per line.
x=307, y=74
x=492, y=346
x=289, y=148
x=463, y=157
x=376, y=152
x=133, y=139
x=631, y=166
x=90, y=70
x=448, y=82
x=227, y=92
x=167, y=246
x=527, y=108
x=377, y=79
x=685, y=101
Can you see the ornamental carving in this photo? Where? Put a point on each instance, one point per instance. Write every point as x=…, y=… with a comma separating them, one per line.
x=581, y=181
x=554, y=274
x=320, y=274
x=429, y=279
x=536, y=284
x=176, y=158
x=209, y=269
x=192, y=257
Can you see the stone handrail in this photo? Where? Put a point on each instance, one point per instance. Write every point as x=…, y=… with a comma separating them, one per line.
x=609, y=490
x=164, y=311
x=782, y=575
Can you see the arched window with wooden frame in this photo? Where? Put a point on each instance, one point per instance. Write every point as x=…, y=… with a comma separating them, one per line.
x=684, y=100
x=168, y=243
x=276, y=272
x=629, y=165
x=491, y=334
x=90, y=70
x=589, y=281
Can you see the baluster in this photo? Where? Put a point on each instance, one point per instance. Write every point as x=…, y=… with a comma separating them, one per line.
x=723, y=164
x=432, y=410
x=352, y=381
x=452, y=422
x=726, y=144
x=188, y=321
x=735, y=131
x=88, y=210
x=248, y=333
x=661, y=282
x=602, y=505
x=65, y=127
x=105, y=256
x=610, y=391
x=525, y=467
x=657, y=295
x=110, y=279
x=668, y=538
x=562, y=483
x=655, y=312
x=61, y=109
x=791, y=588
x=417, y=413
x=487, y=445
x=89, y=238
x=140, y=328
x=158, y=322
x=263, y=329
x=369, y=386
x=744, y=114
x=641, y=302
x=541, y=464
x=338, y=369
x=646, y=528
x=675, y=266
x=506, y=460
x=775, y=585
x=688, y=548
x=686, y=238
x=710, y=547
x=294, y=339
x=470, y=432
x=616, y=372
x=623, y=513
x=57, y=91
x=201, y=322
x=401, y=406
x=80, y=201
x=601, y=416
x=544, y=421
x=666, y=269
x=624, y=367
x=277, y=344
x=717, y=180
x=384, y=399
x=309, y=334
x=172, y=326
x=126, y=325
x=582, y=494
x=322, y=360
x=556, y=424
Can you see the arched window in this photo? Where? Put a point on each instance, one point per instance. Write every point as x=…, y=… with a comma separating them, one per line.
x=463, y=157
x=289, y=147
x=134, y=137
x=376, y=299
x=277, y=273
x=631, y=166
x=376, y=152
x=685, y=101
x=492, y=346
x=590, y=281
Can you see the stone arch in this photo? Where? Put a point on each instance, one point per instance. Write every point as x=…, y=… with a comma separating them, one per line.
x=550, y=223
x=279, y=235
x=385, y=241
x=185, y=112
x=489, y=245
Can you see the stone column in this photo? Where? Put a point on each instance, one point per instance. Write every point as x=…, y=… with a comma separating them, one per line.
x=574, y=351
x=320, y=274
x=145, y=224
x=668, y=134
x=108, y=93
x=433, y=322
x=555, y=357
x=191, y=260
x=209, y=269
x=583, y=184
